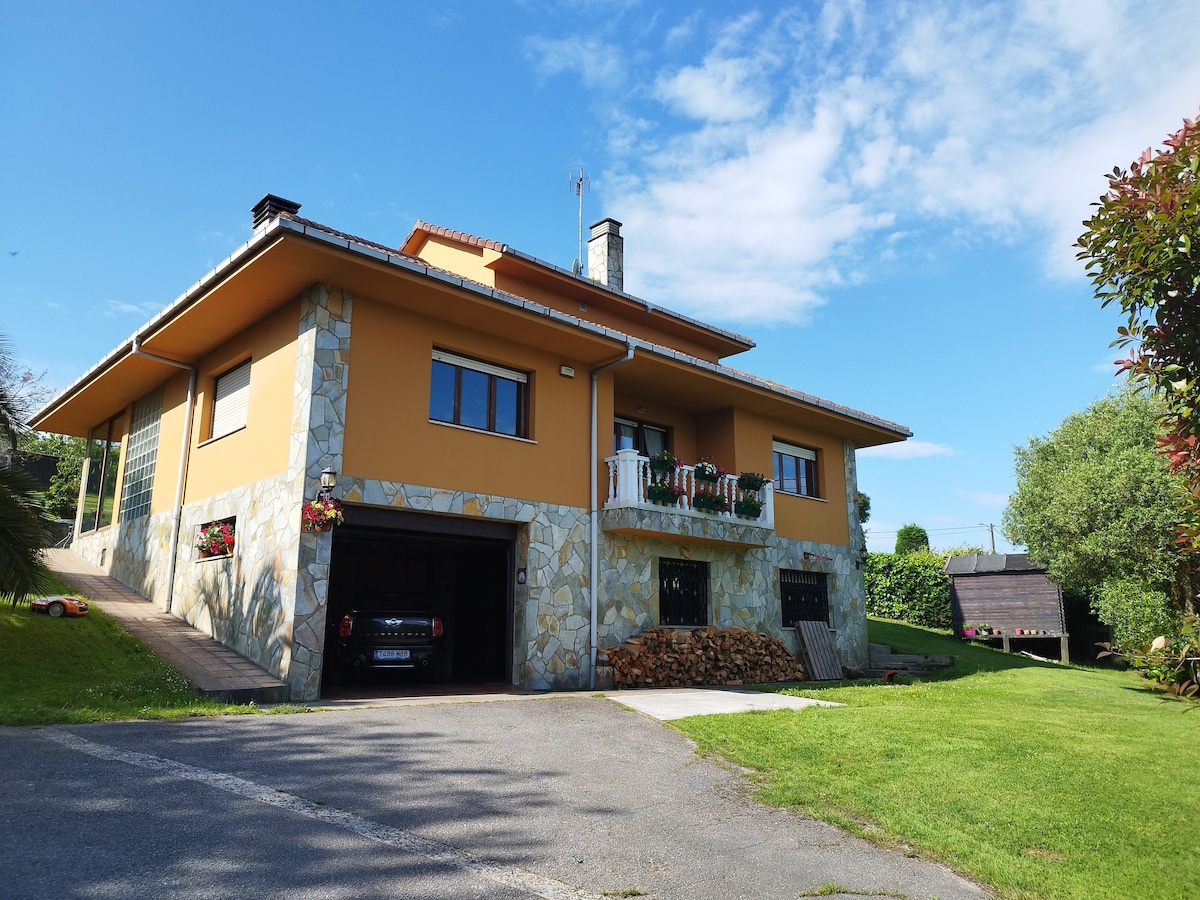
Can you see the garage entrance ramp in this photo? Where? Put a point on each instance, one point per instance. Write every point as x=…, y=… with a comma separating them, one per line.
x=213, y=669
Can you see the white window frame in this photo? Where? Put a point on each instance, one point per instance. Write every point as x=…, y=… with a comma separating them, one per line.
x=231, y=400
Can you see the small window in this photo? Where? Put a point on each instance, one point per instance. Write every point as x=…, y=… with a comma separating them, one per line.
x=231, y=397
x=682, y=592
x=646, y=439
x=803, y=596
x=479, y=395
x=795, y=469
x=216, y=538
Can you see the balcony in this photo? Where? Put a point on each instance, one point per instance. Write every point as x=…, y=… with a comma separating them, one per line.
x=701, y=511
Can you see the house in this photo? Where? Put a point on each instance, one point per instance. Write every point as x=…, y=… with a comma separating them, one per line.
x=1009, y=593
x=488, y=419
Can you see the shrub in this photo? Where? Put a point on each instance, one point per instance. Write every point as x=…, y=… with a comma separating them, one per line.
x=912, y=539
x=912, y=587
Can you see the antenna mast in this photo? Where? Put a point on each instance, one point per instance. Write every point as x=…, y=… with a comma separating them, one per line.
x=580, y=185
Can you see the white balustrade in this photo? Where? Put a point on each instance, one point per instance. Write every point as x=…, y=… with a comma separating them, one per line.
x=630, y=477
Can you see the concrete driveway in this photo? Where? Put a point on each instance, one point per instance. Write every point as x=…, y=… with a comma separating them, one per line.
x=516, y=798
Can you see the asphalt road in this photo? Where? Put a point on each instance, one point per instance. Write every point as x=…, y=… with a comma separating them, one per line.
x=520, y=798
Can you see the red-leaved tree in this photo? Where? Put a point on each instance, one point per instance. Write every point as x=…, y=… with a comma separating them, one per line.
x=1142, y=250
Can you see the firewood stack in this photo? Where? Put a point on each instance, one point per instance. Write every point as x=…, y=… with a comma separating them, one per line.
x=669, y=657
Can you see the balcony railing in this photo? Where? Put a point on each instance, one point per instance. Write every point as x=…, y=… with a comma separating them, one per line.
x=630, y=477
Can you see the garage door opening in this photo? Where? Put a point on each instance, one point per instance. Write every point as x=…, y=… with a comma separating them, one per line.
x=464, y=581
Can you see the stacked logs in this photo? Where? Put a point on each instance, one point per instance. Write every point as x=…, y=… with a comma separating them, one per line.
x=670, y=657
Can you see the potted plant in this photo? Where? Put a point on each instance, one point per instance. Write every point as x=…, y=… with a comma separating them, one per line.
x=321, y=514
x=664, y=493
x=706, y=471
x=751, y=481
x=663, y=463
x=968, y=630
x=710, y=502
x=215, y=539
x=748, y=507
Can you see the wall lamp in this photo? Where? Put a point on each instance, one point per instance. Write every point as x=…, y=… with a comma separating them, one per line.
x=328, y=481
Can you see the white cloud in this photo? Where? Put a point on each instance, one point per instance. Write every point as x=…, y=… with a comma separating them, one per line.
x=986, y=498
x=808, y=138
x=115, y=309
x=597, y=64
x=907, y=450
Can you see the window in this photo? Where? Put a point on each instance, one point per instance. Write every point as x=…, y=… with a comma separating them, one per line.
x=682, y=592
x=803, y=596
x=104, y=458
x=231, y=397
x=478, y=395
x=141, y=456
x=795, y=469
x=645, y=439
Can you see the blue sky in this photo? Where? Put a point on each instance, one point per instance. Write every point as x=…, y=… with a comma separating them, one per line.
x=884, y=195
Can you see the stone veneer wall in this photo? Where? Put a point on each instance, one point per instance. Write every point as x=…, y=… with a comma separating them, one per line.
x=551, y=610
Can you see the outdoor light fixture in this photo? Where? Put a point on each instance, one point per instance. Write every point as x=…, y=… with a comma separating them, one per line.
x=328, y=481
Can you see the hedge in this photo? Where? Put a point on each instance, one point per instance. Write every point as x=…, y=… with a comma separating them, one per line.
x=911, y=587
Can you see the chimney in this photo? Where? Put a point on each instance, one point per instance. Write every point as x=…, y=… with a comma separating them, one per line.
x=606, y=254
x=269, y=207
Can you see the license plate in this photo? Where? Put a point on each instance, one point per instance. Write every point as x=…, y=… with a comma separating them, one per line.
x=391, y=654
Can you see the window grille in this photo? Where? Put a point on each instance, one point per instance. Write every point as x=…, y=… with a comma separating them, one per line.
x=141, y=455
x=682, y=592
x=803, y=596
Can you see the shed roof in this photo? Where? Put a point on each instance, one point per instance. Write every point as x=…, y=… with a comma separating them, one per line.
x=990, y=564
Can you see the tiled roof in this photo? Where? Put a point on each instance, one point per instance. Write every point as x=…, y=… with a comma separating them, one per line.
x=460, y=236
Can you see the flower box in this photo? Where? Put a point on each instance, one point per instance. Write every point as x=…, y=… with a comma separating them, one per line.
x=709, y=502
x=748, y=507
x=751, y=481
x=706, y=471
x=663, y=493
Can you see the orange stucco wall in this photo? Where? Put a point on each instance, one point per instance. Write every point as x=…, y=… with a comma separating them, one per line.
x=261, y=448
x=822, y=519
x=389, y=435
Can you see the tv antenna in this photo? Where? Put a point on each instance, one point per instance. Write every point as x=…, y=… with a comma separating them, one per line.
x=580, y=185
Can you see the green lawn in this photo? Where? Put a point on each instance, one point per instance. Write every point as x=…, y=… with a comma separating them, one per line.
x=87, y=670
x=1041, y=780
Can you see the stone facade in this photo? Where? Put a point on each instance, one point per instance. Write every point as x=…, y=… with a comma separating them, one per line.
x=268, y=599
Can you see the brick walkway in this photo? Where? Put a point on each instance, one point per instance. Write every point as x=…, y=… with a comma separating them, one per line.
x=213, y=669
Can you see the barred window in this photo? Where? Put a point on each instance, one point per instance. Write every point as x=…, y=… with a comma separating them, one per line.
x=803, y=596
x=141, y=455
x=682, y=592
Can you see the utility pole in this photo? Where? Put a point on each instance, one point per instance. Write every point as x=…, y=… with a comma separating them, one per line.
x=992, y=536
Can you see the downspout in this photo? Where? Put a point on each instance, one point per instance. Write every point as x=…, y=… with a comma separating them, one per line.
x=593, y=538
x=185, y=445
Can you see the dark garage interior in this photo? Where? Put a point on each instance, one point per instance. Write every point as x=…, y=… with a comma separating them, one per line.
x=464, y=580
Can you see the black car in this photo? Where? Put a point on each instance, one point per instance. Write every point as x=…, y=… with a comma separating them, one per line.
x=392, y=639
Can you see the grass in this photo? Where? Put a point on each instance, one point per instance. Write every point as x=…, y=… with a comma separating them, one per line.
x=1040, y=780
x=70, y=671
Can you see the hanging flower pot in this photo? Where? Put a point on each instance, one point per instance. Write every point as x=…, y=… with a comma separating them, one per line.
x=322, y=514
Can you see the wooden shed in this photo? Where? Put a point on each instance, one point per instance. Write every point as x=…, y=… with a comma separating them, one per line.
x=1009, y=593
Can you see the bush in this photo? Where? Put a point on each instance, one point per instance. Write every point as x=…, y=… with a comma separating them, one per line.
x=1137, y=613
x=912, y=539
x=912, y=587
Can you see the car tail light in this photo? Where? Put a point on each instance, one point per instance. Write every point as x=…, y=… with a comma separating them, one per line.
x=346, y=627
x=437, y=627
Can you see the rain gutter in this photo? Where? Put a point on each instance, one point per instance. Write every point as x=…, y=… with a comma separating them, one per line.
x=593, y=538
x=184, y=448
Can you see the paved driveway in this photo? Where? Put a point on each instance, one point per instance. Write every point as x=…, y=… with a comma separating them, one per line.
x=553, y=798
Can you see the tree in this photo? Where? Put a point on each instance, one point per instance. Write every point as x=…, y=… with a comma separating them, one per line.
x=911, y=539
x=864, y=508
x=1142, y=250
x=62, y=498
x=1097, y=506
x=24, y=526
